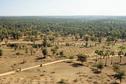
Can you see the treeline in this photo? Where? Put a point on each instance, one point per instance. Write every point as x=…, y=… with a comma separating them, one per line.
x=16, y=27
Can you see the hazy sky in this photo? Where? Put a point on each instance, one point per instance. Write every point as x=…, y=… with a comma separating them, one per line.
x=62, y=7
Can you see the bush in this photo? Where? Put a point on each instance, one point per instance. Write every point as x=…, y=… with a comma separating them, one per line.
x=67, y=44
x=18, y=53
x=116, y=67
x=53, y=51
x=71, y=57
x=61, y=53
x=82, y=58
x=119, y=75
x=34, y=45
x=97, y=67
x=62, y=81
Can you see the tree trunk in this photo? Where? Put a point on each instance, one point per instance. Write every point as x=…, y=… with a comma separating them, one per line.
x=120, y=80
x=96, y=58
x=120, y=60
x=106, y=61
x=111, y=60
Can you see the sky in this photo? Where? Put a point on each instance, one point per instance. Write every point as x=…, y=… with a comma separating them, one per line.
x=62, y=7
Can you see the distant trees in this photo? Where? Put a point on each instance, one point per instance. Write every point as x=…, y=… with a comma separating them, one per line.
x=14, y=28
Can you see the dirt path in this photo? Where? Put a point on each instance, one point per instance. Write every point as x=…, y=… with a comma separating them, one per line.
x=12, y=72
x=58, y=61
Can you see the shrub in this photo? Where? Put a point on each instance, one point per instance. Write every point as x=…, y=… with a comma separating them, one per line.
x=82, y=58
x=62, y=81
x=18, y=53
x=97, y=67
x=34, y=45
x=119, y=75
x=116, y=67
x=53, y=51
x=71, y=57
x=61, y=53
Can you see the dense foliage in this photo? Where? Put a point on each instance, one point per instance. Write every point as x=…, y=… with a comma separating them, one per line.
x=110, y=27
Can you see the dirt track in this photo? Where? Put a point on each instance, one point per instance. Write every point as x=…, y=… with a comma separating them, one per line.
x=12, y=72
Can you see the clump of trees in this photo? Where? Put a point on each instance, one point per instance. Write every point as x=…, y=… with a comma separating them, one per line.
x=16, y=27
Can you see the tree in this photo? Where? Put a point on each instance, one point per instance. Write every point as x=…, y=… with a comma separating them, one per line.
x=101, y=53
x=96, y=52
x=112, y=54
x=45, y=52
x=119, y=75
x=120, y=53
x=106, y=54
x=86, y=39
x=31, y=51
x=45, y=41
x=82, y=58
x=61, y=54
x=26, y=50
